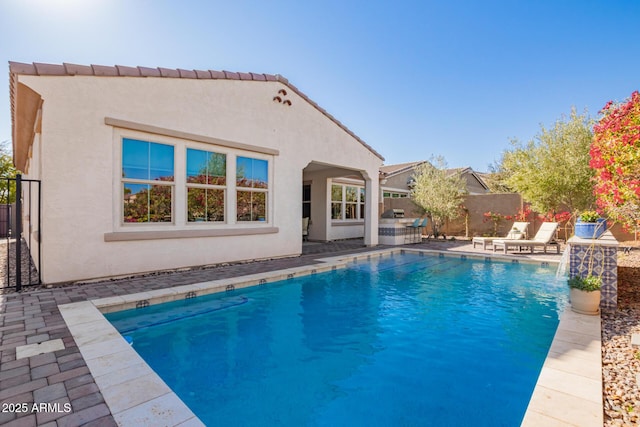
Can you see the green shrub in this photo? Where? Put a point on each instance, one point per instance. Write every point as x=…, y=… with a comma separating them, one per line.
x=588, y=284
x=589, y=216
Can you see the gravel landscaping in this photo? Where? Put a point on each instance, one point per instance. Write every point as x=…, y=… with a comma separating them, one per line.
x=621, y=361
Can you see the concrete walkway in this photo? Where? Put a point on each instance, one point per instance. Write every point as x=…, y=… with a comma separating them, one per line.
x=32, y=322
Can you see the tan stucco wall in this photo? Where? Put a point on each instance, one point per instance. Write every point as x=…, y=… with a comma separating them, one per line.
x=411, y=210
x=477, y=205
x=399, y=181
x=473, y=186
x=80, y=166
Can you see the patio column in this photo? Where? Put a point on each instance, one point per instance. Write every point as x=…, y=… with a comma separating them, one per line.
x=371, y=211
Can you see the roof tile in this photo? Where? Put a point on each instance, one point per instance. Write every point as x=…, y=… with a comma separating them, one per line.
x=168, y=72
x=104, y=70
x=187, y=74
x=21, y=68
x=259, y=77
x=202, y=74
x=282, y=79
x=217, y=74
x=149, y=72
x=16, y=68
x=128, y=71
x=78, y=70
x=295, y=89
x=231, y=75
x=50, y=69
x=400, y=167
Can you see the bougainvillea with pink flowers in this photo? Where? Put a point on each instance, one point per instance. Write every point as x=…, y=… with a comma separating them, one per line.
x=615, y=157
x=561, y=217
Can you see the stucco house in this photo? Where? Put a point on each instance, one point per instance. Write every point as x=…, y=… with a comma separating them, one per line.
x=146, y=169
x=398, y=178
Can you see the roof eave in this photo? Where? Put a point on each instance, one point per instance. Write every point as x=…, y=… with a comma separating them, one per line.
x=25, y=104
x=65, y=69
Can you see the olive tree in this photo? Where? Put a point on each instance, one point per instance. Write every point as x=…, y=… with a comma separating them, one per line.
x=439, y=193
x=552, y=170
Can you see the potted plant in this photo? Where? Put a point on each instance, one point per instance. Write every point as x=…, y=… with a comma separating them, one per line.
x=585, y=294
x=590, y=226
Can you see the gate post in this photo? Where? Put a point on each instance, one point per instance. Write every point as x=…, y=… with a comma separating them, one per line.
x=19, y=232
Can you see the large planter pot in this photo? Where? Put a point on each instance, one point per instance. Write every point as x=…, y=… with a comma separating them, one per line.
x=584, y=302
x=590, y=230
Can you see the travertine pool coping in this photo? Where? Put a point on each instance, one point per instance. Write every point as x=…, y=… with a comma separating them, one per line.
x=568, y=392
x=569, y=388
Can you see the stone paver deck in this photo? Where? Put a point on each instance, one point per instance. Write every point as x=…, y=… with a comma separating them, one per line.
x=569, y=389
x=61, y=376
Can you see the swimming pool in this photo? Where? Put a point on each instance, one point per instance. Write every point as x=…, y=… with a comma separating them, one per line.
x=402, y=340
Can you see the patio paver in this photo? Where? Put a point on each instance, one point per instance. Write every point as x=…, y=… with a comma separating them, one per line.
x=62, y=374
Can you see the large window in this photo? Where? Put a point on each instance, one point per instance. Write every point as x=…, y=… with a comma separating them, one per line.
x=347, y=202
x=336, y=201
x=206, y=184
x=252, y=184
x=147, y=181
x=351, y=202
x=182, y=183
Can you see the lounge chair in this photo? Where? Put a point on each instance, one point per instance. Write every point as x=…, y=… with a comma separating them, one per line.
x=543, y=238
x=518, y=231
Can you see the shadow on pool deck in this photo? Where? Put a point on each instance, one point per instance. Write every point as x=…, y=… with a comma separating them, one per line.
x=62, y=376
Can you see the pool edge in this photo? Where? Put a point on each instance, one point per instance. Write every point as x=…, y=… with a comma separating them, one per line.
x=118, y=370
x=121, y=357
x=569, y=389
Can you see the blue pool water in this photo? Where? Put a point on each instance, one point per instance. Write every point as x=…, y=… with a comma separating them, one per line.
x=406, y=340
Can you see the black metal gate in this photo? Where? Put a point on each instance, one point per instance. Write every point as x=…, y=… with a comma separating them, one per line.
x=20, y=223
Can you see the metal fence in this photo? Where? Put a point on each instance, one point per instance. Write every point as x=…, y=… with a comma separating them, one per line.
x=20, y=225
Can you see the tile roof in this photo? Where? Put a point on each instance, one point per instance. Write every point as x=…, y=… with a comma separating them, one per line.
x=66, y=69
x=403, y=167
x=387, y=171
x=400, y=167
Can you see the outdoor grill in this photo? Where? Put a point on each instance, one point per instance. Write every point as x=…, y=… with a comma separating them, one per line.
x=393, y=213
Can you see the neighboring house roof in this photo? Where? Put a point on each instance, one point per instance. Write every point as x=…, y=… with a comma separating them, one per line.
x=460, y=171
x=391, y=170
x=476, y=175
x=484, y=176
x=65, y=69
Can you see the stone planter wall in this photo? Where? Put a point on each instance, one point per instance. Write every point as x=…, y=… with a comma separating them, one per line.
x=600, y=258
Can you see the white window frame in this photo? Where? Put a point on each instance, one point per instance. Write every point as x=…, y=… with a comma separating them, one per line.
x=138, y=181
x=206, y=186
x=180, y=226
x=359, y=203
x=239, y=189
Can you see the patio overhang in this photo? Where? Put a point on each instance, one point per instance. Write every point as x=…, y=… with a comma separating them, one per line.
x=333, y=171
x=322, y=176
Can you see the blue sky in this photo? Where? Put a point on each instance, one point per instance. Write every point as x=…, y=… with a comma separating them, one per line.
x=411, y=78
